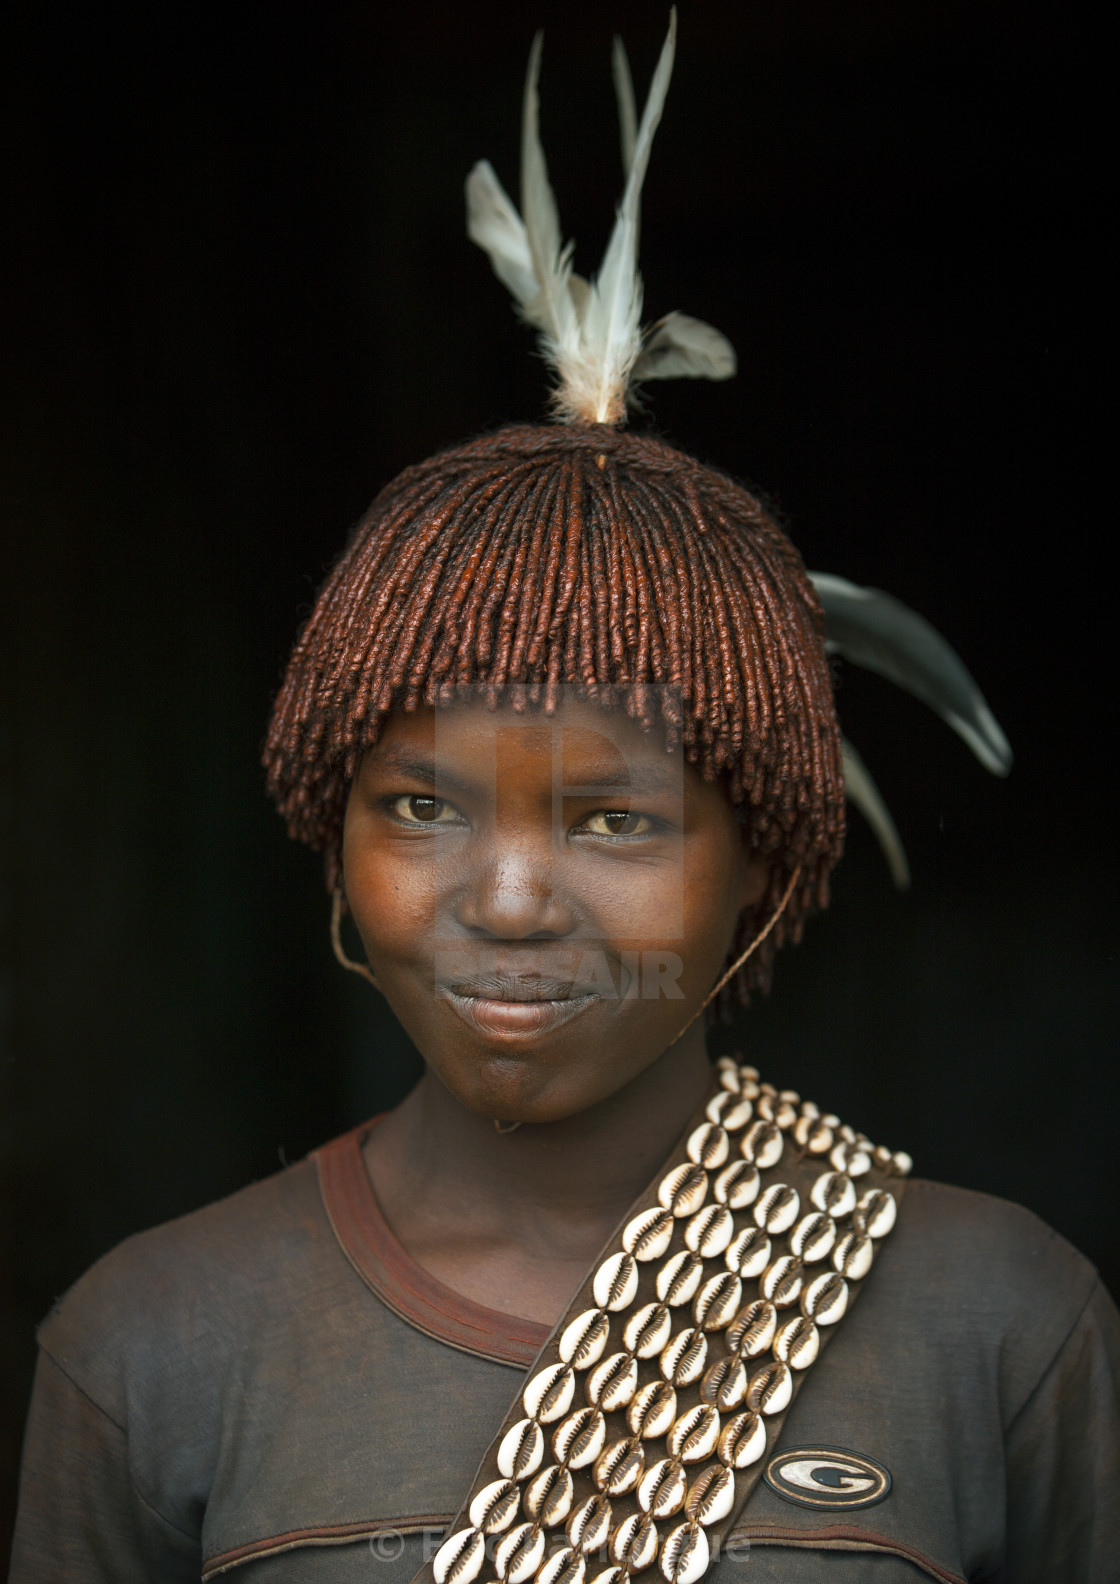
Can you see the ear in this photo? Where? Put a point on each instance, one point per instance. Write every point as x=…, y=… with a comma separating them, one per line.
x=755, y=879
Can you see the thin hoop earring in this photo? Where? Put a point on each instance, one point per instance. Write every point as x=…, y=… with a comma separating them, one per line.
x=742, y=958
x=336, y=942
x=505, y=1127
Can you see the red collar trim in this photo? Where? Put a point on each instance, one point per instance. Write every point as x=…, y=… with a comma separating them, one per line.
x=390, y=1272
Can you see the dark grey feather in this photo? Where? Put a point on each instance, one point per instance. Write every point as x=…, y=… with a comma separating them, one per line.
x=880, y=633
x=859, y=784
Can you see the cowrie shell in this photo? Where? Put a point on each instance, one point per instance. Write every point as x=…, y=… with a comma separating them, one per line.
x=634, y=1542
x=653, y=1410
x=683, y=1189
x=902, y=1163
x=773, y=1108
x=612, y=1383
x=731, y=1111
x=679, y=1278
x=749, y=1253
x=683, y=1360
x=813, y=1236
x=612, y=1575
x=549, y=1496
x=762, y=1144
x=781, y=1282
x=710, y=1230
x=647, y=1330
x=814, y=1134
x=777, y=1208
x=825, y=1299
x=582, y=1342
x=752, y=1331
x=685, y=1555
x=460, y=1559
x=725, y=1384
x=590, y=1524
x=563, y=1567
x=850, y=1158
x=737, y=1185
x=718, y=1301
x=876, y=1213
x=616, y=1282
x=662, y=1489
x=518, y=1554
x=797, y=1343
x=521, y=1450
x=694, y=1435
x=771, y=1389
x=495, y=1506
x=743, y=1441
x=711, y=1495
x=649, y=1234
x=852, y=1256
x=729, y=1077
x=578, y=1439
x=833, y=1192
x=618, y=1468
x=548, y=1395
x=708, y=1145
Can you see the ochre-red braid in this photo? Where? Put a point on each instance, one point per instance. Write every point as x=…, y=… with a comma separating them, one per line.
x=593, y=558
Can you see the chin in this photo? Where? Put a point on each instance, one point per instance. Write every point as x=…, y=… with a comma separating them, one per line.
x=530, y=1086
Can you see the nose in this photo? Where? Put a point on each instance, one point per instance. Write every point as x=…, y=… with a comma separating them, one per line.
x=510, y=897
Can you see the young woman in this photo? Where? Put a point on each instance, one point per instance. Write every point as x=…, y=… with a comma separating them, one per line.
x=582, y=1306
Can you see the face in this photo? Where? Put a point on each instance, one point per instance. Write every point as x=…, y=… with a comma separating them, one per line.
x=545, y=901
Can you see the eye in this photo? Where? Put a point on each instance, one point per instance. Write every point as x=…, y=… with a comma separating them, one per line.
x=617, y=822
x=417, y=808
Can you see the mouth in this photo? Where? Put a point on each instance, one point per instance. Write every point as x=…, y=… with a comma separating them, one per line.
x=517, y=1005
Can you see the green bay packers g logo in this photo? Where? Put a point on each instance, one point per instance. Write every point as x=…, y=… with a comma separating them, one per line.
x=827, y=1477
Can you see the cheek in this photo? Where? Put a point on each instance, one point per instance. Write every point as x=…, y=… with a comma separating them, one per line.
x=390, y=900
x=712, y=897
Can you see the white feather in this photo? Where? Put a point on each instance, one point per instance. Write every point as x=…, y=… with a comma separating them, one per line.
x=590, y=332
x=627, y=108
x=553, y=311
x=614, y=314
x=679, y=347
x=495, y=225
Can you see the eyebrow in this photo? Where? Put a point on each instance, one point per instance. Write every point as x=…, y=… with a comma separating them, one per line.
x=646, y=780
x=420, y=767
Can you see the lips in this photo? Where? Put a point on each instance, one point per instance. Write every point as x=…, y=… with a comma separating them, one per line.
x=515, y=1000
x=508, y=985
x=514, y=1005
x=517, y=1018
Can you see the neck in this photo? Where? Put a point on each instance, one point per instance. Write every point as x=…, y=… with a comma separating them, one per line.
x=474, y=1206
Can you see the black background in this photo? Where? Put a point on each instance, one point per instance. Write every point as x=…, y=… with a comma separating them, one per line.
x=243, y=299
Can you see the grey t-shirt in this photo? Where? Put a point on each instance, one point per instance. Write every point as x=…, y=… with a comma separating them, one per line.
x=271, y=1388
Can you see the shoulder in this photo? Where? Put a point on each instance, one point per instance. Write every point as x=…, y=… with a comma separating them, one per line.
x=182, y=1297
x=981, y=1285
x=975, y=1241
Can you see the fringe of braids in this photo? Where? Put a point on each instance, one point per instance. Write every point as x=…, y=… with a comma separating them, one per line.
x=549, y=556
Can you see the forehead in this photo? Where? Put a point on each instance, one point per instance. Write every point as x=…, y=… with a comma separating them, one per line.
x=579, y=743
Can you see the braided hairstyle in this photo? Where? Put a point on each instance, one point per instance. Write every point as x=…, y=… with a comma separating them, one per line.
x=586, y=556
